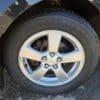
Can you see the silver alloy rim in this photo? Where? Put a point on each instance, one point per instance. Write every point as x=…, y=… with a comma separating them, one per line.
x=52, y=59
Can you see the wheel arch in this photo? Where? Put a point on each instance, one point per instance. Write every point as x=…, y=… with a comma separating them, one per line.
x=84, y=8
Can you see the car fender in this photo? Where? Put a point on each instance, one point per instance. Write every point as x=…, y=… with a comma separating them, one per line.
x=11, y=9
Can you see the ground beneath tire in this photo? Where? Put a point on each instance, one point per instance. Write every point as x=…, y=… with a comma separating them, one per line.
x=89, y=91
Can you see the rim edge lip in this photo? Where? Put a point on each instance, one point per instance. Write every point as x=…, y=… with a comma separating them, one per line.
x=66, y=35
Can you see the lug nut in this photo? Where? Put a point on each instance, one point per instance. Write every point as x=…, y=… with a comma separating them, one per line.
x=59, y=59
x=46, y=66
x=44, y=58
x=55, y=66
x=52, y=54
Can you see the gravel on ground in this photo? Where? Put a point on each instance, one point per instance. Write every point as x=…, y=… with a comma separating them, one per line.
x=89, y=91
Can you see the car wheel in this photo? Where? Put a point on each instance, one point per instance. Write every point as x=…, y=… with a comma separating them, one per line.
x=51, y=53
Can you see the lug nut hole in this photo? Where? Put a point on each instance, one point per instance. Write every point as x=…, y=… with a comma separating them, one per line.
x=59, y=59
x=55, y=66
x=44, y=58
x=52, y=54
x=46, y=66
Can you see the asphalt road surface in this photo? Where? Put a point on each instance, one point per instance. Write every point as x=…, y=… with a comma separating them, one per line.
x=89, y=91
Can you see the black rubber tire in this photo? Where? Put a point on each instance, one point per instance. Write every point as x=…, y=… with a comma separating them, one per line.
x=65, y=21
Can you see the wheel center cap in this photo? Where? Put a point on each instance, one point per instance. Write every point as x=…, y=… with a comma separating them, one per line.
x=52, y=60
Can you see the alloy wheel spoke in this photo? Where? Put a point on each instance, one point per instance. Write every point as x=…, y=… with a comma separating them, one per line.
x=30, y=53
x=54, y=40
x=61, y=74
x=73, y=56
x=39, y=73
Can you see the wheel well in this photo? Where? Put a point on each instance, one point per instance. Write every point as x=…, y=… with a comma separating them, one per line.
x=84, y=8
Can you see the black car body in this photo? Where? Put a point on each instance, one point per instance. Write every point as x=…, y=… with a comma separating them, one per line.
x=11, y=10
